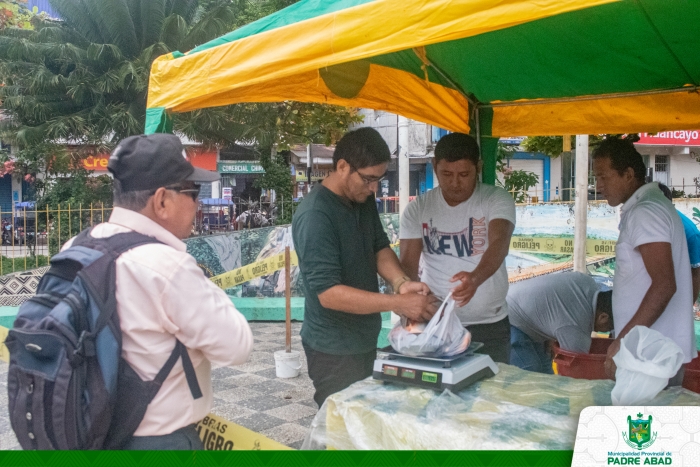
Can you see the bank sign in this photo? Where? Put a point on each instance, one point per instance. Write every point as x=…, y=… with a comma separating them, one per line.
x=240, y=167
x=671, y=138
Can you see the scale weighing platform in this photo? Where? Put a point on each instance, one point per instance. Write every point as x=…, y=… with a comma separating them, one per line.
x=439, y=373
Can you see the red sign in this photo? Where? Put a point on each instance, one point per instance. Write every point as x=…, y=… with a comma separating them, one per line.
x=98, y=162
x=202, y=158
x=671, y=138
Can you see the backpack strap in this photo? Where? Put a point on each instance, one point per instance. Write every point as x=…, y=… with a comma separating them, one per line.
x=113, y=246
x=179, y=351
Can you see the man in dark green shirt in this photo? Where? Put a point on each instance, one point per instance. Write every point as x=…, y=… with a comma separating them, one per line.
x=342, y=247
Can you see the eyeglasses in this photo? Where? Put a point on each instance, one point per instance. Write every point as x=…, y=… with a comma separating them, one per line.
x=366, y=179
x=192, y=191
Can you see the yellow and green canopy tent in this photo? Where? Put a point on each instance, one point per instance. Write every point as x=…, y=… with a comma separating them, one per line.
x=488, y=67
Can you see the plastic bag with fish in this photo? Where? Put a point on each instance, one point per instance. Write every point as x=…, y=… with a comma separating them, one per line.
x=442, y=336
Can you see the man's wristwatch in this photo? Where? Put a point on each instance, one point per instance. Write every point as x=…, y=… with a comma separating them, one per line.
x=398, y=283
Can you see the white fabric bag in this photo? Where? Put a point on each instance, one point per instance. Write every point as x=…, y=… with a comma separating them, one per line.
x=443, y=336
x=646, y=361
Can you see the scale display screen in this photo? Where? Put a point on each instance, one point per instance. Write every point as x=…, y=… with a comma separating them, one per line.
x=430, y=377
x=390, y=370
x=413, y=376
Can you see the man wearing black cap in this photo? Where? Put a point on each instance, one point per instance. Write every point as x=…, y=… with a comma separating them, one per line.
x=162, y=295
x=460, y=233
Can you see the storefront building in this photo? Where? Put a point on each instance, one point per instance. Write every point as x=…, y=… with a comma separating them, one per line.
x=673, y=158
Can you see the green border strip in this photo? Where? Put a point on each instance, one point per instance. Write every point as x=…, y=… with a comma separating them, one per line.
x=158, y=121
x=286, y=458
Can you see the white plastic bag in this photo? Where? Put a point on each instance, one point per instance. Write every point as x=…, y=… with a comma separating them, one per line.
x=646, y=361
x=443, y=336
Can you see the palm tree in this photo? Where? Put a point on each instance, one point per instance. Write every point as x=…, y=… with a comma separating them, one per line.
x=84, y=79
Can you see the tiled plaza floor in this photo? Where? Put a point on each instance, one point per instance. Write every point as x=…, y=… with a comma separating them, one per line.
x=249, y=395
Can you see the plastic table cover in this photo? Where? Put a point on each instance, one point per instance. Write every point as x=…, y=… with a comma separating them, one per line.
x=513, y=410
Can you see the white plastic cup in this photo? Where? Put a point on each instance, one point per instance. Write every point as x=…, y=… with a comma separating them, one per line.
x=287, y=364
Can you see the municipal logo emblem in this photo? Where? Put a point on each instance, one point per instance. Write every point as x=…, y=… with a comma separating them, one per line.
x=640, y=435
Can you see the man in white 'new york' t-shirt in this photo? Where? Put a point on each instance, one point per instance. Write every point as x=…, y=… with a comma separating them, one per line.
x=456, y=237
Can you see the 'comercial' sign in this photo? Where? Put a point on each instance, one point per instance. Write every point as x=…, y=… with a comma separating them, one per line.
x=671, y=138
x=240, y=167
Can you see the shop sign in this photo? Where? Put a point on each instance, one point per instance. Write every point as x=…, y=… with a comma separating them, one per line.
x=227, y=193
x=240, y=167
x=316, y=174
x=671, y=138
x=98, y=162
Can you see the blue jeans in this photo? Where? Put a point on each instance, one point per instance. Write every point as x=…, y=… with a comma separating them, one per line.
x=528, y=354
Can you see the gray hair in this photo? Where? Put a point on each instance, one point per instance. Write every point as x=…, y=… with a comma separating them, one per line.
x=131, y=200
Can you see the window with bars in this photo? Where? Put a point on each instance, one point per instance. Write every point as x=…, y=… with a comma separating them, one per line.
x=661, y=164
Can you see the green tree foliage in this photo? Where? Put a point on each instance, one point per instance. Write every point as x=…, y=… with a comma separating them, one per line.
x=548, y=145
x=516, y=182
x=15, y=14
x=552, y=146
x=83, y=81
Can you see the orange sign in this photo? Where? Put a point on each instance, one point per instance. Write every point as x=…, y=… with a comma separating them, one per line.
x=98, y=162
x=199, y=157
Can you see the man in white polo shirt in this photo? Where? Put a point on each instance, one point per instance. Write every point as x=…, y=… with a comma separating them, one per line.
x=460, y=233
x=652, y=285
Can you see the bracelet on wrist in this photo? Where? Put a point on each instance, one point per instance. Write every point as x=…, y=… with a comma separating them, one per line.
x=398, y=283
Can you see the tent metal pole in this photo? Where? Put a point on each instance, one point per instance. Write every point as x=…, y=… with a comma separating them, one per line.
x=404, y=164
x=581, y=203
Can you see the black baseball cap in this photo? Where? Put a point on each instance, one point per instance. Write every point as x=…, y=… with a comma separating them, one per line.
x=148, y=162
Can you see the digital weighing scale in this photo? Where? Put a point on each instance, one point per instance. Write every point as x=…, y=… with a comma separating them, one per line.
x=439, y=373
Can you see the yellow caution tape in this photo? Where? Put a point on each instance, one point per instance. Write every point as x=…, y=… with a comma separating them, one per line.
x=218, y=434
x=4, y=352
x=557, y=245
x=215, y=432
x=251, y=271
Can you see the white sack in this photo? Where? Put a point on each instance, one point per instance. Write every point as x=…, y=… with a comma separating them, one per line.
x=443, y=336
x=646, y=361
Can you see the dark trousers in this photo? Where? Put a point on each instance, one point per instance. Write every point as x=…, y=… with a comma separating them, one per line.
x=495, y=337
x=528, y=354
x=333, y=373
x=184, y=439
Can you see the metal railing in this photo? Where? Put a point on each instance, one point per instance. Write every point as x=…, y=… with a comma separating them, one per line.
x=30, y=236
x=242, y=214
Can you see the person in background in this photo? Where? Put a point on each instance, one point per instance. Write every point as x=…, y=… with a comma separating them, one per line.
x=652, y=285
x=564, y=307
x=342, y=246
x=692, y=236
x=459, y=233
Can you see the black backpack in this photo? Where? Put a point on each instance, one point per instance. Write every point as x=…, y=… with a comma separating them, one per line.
x=68, y=386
